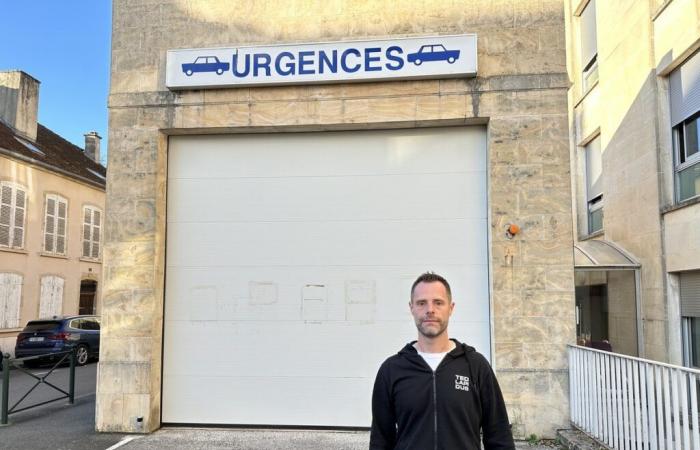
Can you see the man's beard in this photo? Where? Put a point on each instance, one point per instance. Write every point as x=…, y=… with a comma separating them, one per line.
x=432, y=331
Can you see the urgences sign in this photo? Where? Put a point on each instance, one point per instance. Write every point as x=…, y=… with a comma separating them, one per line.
x=329, y=62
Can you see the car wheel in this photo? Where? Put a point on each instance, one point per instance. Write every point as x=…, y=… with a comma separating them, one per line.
x=417, y=62
x=188, y=72
x=81, y=355
x=450, y=60
x=219, y=71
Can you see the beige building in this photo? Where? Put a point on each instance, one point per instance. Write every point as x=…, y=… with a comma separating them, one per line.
x=262, y=237
x=53, y=197
x=633, y=108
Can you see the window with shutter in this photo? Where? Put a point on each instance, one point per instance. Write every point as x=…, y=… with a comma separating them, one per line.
x=12, y=215
x=51, y=297
x=92, y=225
x=589, y=45
x=56, y=210
x=10, y=297
x=594, y=185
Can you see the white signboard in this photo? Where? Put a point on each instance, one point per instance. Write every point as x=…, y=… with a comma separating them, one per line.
x=329, y=62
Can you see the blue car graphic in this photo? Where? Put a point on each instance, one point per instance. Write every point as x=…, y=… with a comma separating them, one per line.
x=205, y=64
x=436, y=52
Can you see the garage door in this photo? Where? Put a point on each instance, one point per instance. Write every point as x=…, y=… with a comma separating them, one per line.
x=290, y=259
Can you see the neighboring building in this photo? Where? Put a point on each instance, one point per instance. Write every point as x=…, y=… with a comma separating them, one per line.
x=52, y=205
x=634, y=103
x=261, y=240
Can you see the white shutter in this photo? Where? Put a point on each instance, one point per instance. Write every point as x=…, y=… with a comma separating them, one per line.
x=96, y=221
x=55, y=224
x=18, y=229
x=51, y=300
x=10, y=296
x=50, y=224
x=690, y=293
x=5, y=215
x=589, y=38
x=594, y=169
x=685, y=90
x=92, y=225
x=61, y=218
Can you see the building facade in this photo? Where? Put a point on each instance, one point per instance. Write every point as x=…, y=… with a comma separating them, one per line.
x=633, y=106
x=53, y=198
x=261, y=239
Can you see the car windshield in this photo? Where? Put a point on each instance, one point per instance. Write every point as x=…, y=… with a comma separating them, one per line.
x=44, y=325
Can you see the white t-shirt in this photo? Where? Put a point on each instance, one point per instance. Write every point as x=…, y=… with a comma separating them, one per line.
x=433, y=359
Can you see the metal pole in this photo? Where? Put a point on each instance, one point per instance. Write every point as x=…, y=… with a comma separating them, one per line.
x=5, y=387
x=71, y=382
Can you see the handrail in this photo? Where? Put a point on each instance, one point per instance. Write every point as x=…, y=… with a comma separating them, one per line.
x=7, y=362
x=631, y=403
x=634, y=358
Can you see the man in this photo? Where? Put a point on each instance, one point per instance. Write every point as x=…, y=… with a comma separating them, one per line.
x=437, y=393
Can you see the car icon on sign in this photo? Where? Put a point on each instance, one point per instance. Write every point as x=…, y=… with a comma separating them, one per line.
x=205, y=64
x=436, y=52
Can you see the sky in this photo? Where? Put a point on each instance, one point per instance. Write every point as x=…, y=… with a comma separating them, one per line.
x=65, y=44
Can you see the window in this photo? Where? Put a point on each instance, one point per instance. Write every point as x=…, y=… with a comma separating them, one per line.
x=51, y=297
x=10, y=295
x=685, y=113
x=594, y=185
x=55, y=217
x=13, y=206
x=589, y=45
x=92, y=220
x=690, y=312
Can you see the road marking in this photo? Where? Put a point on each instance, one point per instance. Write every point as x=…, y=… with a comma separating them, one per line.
x=124, y=441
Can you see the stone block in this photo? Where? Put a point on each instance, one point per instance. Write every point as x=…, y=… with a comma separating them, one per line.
x=555, y=305
x=528, y=278
x=108, y=411
x=521, y=330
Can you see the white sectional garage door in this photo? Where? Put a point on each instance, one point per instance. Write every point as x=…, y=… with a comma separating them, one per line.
x=290, y=259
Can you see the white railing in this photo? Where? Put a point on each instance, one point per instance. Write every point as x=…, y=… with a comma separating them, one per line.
x=631, y=403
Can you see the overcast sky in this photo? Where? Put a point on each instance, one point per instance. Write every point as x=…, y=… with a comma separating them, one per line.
x=65, y=44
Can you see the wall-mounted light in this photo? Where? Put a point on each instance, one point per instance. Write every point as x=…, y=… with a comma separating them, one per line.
x=511, y=230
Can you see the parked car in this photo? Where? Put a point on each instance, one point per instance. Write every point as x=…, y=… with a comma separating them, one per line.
x=59, y=334
x=205, y=64
x=436, y=52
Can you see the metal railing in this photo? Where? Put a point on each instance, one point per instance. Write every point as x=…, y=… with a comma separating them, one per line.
x=631, y=403
x=7, y=363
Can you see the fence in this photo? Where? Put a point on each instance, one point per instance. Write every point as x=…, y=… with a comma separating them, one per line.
x=631, y=403
x=7, y=363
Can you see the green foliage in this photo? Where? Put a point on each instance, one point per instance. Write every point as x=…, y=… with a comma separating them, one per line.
x=533, y=439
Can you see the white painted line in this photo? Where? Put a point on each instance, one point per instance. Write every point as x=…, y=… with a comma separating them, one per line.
x=124, y=441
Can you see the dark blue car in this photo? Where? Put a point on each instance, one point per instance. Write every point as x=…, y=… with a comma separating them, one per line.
x=436, y=52
x=205, y=64
x=59, y=334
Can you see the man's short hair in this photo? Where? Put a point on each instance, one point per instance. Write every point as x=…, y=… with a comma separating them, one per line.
x=432, y=277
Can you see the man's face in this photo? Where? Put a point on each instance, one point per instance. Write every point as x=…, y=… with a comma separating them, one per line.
x=431, y=308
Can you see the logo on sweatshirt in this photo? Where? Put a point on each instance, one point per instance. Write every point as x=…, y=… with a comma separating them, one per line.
x=461, y=383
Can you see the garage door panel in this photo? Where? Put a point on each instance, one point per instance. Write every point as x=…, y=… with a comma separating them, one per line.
x=277, y=294
x=290, y=260
x=343, y=198
x=296, y=349
x=303, y=154
x=329, y=243
x=313, y=401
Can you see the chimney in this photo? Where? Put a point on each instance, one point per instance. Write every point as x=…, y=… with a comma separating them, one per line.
x=19, y=102
x=92, y=146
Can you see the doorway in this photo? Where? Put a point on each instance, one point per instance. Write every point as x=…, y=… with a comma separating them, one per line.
x=88, y=291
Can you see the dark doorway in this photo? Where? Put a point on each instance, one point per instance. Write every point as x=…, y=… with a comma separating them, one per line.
x=88, y=290
x=592, y=311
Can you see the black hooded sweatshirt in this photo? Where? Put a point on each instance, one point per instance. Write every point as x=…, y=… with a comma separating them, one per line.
x=418, y=409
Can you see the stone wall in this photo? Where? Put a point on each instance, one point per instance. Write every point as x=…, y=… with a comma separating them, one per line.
x=521, y=93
